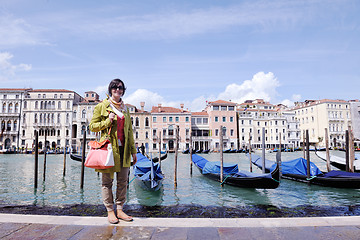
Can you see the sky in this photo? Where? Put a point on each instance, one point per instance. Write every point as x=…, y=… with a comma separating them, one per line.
x=190, y=52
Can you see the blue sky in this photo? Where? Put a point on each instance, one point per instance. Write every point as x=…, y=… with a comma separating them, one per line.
x=190, y=52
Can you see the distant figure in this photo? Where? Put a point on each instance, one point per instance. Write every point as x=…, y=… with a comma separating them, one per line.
x=142, y=149
x=113, y=113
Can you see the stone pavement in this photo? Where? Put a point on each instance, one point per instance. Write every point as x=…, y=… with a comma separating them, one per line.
x=16, y=226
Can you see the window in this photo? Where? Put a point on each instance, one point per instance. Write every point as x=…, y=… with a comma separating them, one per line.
x=198, y=120
x=205, y=120
x=154, y=119
x=216, y=108
x=164, y=119
x=83, y=113
x=154, y=132
x=146, y=135
x=55, y=95
x=44, y=95
x=176, y=119
x=231, y=132
x=4, y=108
x=59, y=105
x=186, y=119
x=68, y=104
x=10, y=108
x=5, y=96
x=61, y=95
x=216, y=119
x=137, y=122
x=15, y=125
x=231, y=119
x=231, y=108
x=35, y=118
x=25, y=104
x=216, y=132
x=170, y=119
x=223, y=108
x=146, y=122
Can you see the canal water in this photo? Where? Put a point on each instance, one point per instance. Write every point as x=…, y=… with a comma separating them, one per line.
x=17, y=185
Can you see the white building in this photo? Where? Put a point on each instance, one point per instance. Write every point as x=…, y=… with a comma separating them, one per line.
x=316, y=115
x=355, y=119
x=11, y=103
x=48, y=111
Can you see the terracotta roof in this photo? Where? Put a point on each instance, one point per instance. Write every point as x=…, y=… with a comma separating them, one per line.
x=199, y=114
x=15, y=89
x=256, y=110
x=309, y=103
x=167, y=110
x=222, y=102
x=51, y=90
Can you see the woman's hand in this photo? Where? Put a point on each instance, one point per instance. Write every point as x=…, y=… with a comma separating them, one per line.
x=111, y=116
x=134, y=159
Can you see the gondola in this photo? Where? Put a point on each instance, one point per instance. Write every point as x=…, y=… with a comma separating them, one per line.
x=147, y=173
x=156, y=159
x=339, y=162
x=232, y=175
x=206, y=151
x=186, y=151
x=76, y=157
x=296, y=170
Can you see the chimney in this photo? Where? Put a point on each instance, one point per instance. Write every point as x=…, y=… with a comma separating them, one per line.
x=159, y=107
x=182, y=107
x=142, y=105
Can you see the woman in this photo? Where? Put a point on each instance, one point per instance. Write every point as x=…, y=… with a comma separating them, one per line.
x=112, y=113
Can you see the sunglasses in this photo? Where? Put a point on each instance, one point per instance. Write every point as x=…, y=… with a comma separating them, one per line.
x=118, y=88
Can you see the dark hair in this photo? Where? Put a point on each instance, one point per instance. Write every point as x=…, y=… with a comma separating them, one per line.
x=114, y=83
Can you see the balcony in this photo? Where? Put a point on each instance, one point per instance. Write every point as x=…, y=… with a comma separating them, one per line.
x=169, y=137
x=83, y=120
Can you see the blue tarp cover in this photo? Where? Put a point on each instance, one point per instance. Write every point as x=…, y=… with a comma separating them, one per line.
x=213, y=167
x=142, y=168
x=341, y=174
x=296, y=166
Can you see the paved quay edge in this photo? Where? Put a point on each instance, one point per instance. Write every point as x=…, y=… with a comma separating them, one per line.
x=185, y=222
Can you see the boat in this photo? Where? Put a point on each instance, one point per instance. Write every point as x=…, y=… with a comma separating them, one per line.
x=206, y=151
x=186, y=151
x=198, y=151
x=232, y=175
x=76, y=157
x=147, y=173
x=340, y=162
x=156, y=159
x=296, y=170
x=227, y=150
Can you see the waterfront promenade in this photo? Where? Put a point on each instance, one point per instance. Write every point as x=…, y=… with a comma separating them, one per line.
x=16, y=226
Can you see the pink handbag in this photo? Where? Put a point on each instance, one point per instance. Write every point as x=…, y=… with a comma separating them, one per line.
x=100, y=155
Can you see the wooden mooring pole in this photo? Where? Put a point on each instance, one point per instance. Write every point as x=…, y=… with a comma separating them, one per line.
x=160, y=149
x=45, y=150
x=328, y=167
x=36, y=159
x=221, y=155
x=64, y=171
x=263, y=150
x=250, y=152
x=83, y=161
x=307, y=155
x=191, y=153
x=176, y=155
x=347, y=150
x=351, y=150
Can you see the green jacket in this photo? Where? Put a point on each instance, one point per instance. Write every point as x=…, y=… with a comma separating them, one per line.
x=101, y=122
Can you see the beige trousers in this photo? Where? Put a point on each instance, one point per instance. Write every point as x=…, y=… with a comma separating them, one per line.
x=121, y=188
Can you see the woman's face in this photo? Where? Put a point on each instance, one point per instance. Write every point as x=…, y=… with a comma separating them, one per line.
x=117, y=91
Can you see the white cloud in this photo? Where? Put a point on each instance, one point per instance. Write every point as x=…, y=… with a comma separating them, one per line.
x=289, y=103
x=7, y=69
x=262, y=85
x=17, y=32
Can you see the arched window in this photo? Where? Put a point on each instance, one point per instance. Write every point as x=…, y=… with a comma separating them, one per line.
x=83, y=113
x=41, y=118
x=16, y=107
x=10, y=108
x=146, y=135
x=15, y=125
x=87, y=130
x=25, y=104
x=8, y=126
x=136, y=121
x=45, y=105
x=132, y=121
x=68, y=104
x=36, y=105
x=3, y=125
x=49, y=105
x=24, y=118
x=67, y=118
x=35, y=118
x=41, y=104
x=53, y=105
x=59, y=105
x=58, y=118
x=4, y=108
x=146, y=122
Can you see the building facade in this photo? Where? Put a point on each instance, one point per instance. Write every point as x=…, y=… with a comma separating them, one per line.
x=200, y=131
x=11, y=103
x=316, y=115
